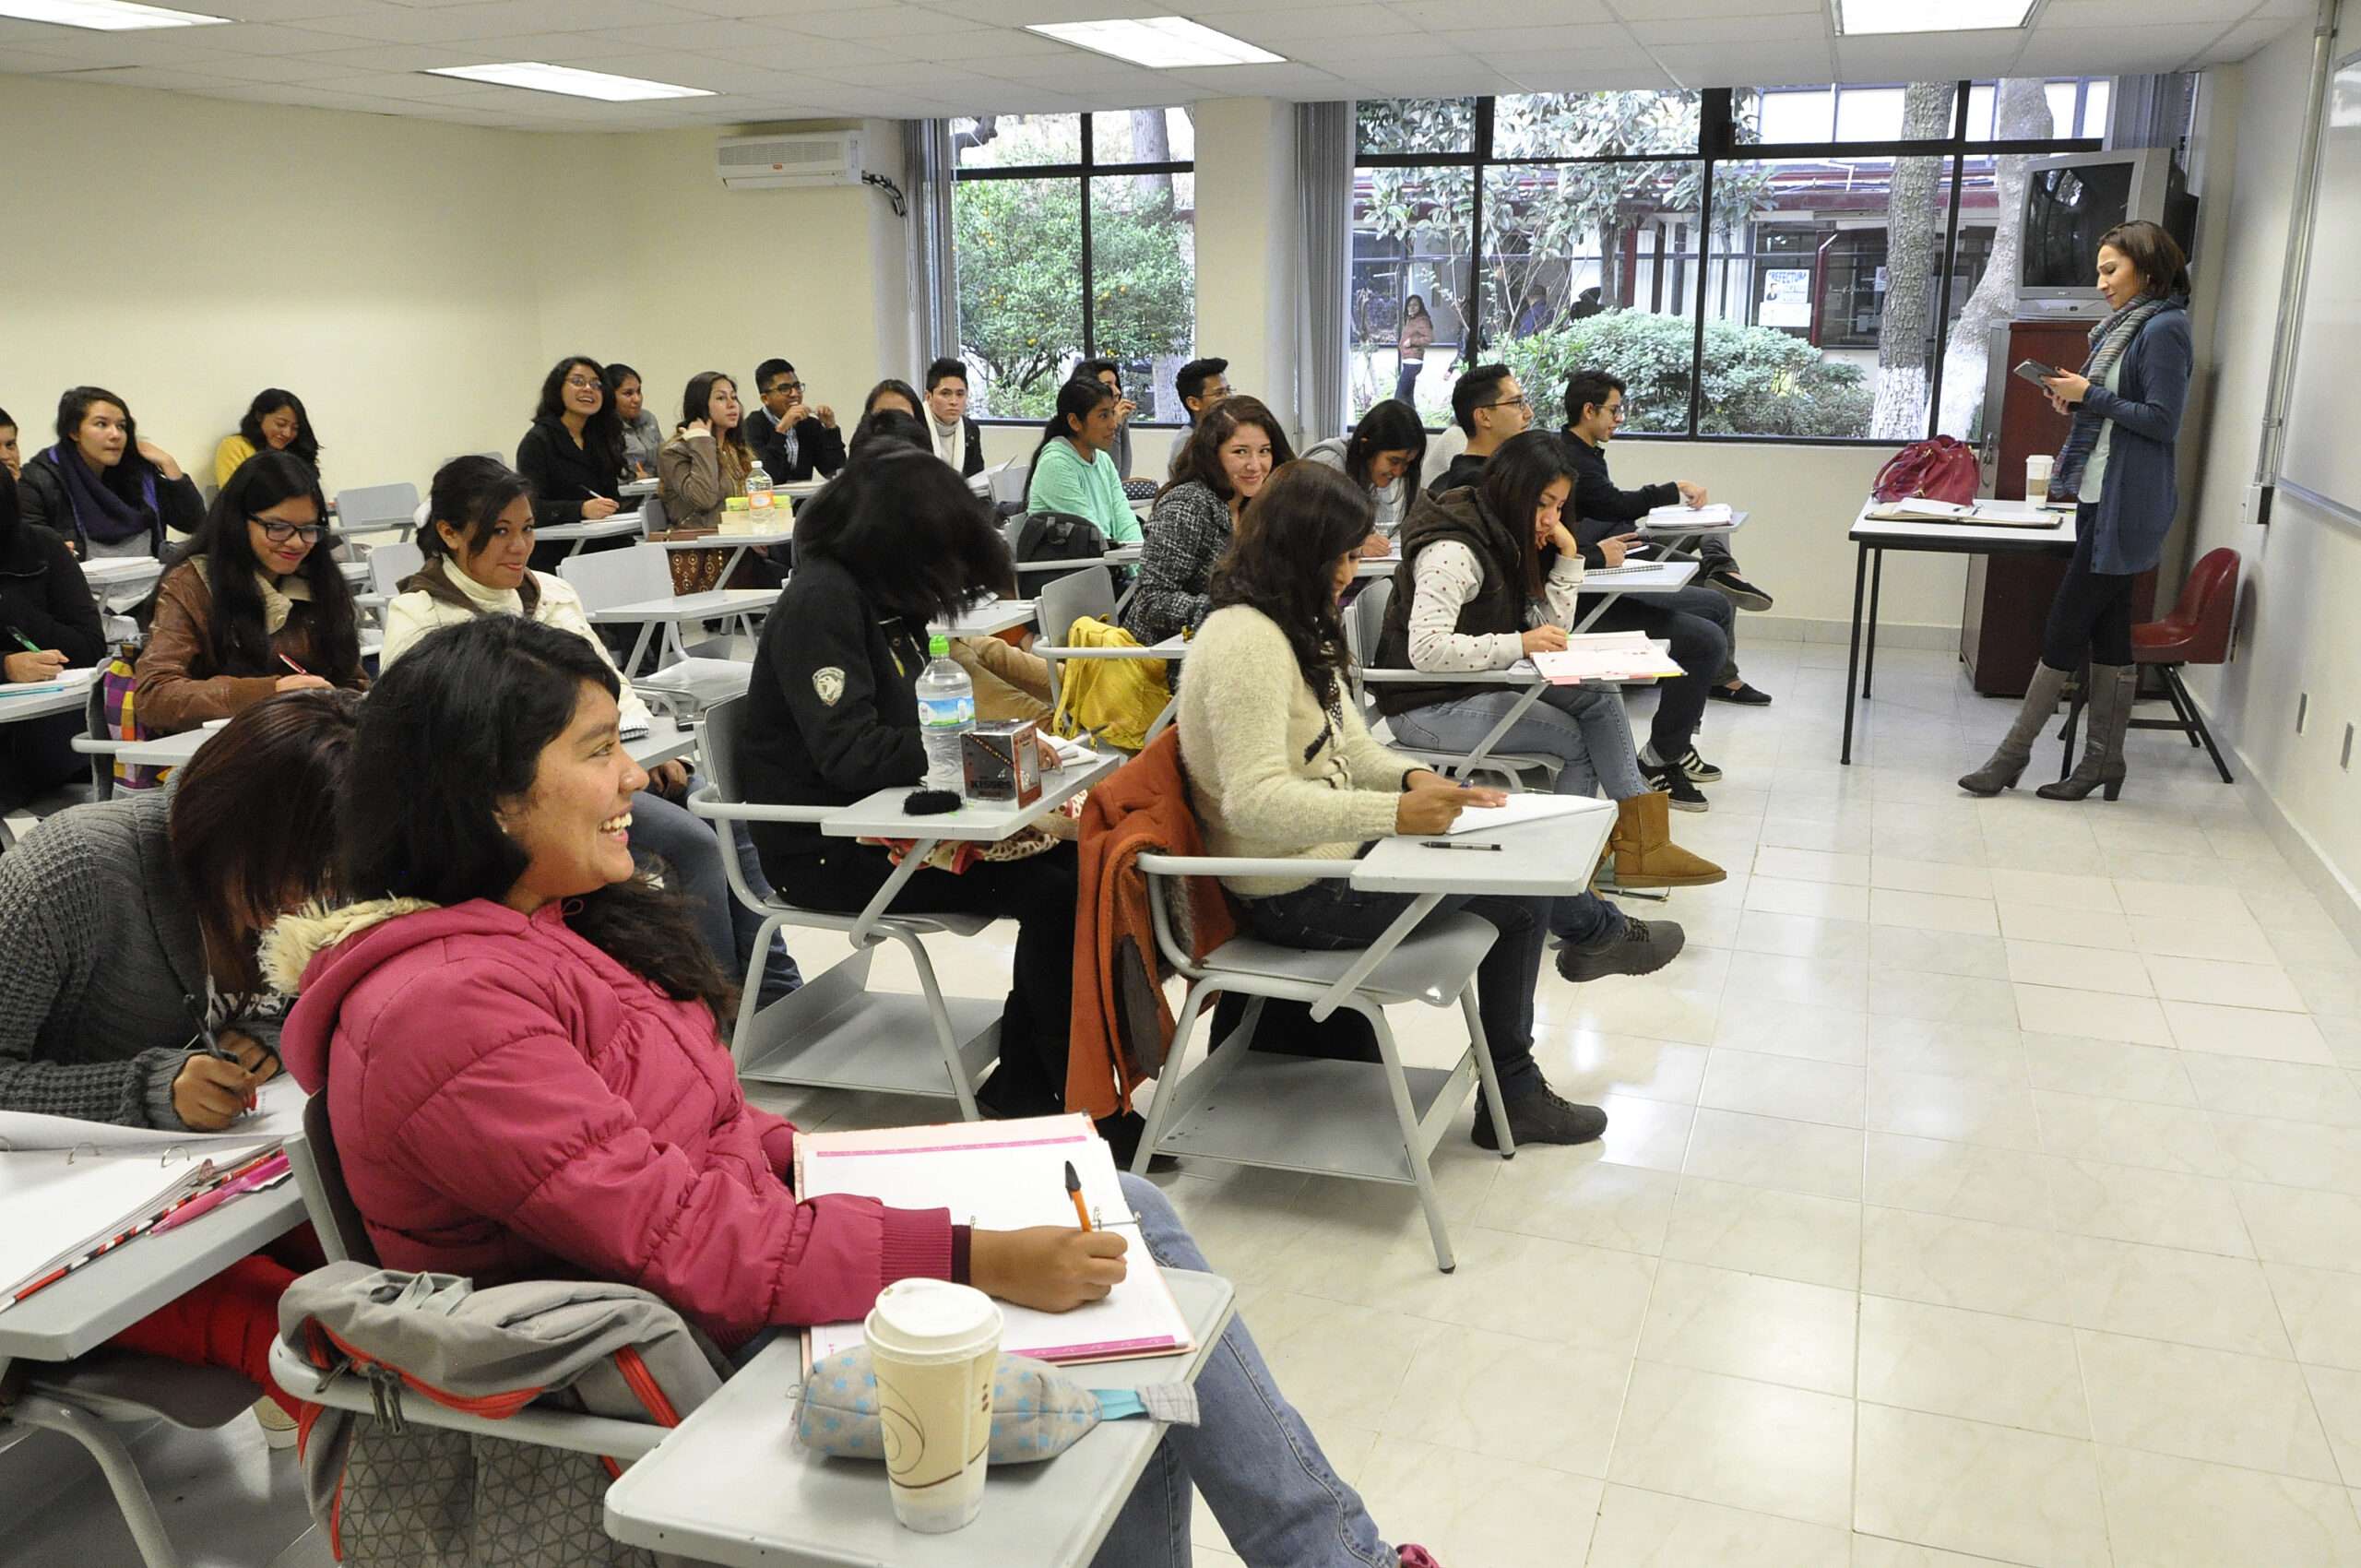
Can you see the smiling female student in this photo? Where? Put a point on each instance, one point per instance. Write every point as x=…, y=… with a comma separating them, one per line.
x=1223, y=468
x=478, y=543
x=255, y=607
x=551, y=1096
x=274, y=421
x=1384, y=456
x=1072, y=471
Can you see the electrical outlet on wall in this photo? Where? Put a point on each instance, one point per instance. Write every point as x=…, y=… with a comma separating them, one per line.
x=2254, y=505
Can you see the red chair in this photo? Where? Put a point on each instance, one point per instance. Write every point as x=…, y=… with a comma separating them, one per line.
x=2197, y=631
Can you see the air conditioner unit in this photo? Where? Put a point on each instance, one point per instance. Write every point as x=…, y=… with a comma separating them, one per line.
x=802, y=159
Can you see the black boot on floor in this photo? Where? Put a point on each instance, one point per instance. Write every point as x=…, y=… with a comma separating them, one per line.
x=1541, y=1116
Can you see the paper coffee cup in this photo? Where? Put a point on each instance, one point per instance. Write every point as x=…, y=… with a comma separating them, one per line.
x=934, y=1345
x=2037, y=471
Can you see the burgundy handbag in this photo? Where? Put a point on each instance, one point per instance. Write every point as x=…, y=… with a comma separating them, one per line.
x=1939, y=470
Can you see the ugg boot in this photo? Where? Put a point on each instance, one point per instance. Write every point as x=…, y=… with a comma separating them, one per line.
x=2007, y=763
x=2110, y=715
x=1645, y=855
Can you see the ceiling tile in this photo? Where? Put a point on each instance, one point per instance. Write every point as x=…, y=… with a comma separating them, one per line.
x=1042, y=10
x=1743, y=65
x=1630, y=10
x=275, y=68
x=1805, y=26
x=2243, y=41
x=1461, y=16
x=1540, y=73
x=2114, y=51
x=1981, y=54
x=990, y=43
x=1273, y=27
x=1289, y=79
x=807, y=55
x=890, y=22
x=701, y=35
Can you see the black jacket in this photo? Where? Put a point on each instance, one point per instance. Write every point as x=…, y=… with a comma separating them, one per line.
x=43, y=596
x=832, y=712
x=1465, y=469
x=564, y=474
x=41, y=498
x=1601, y=507
x=818, y=449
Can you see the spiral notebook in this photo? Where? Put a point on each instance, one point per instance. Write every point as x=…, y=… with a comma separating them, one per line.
x=68, y=1206
x=1004, y=1176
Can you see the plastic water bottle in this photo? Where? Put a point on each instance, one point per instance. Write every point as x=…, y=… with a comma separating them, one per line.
x=946, y=712
x=760, y=495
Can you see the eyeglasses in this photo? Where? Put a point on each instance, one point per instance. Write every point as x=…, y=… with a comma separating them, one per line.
x=786, y=387
x=280, y=533
x=579, y=384
x=1511, y=403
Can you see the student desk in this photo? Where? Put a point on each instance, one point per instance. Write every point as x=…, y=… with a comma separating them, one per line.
x=715, y=604
x=1669, y=576
x=664, y=741
x=1521, y=674
x=1873, y=538
x=92, y=1305
x=634, y=490
x=835, y=1032
x=621, y=525
x=988, y=619
x=731, y=1484
x=736, y=543
x=126, y=575
x=68, y=698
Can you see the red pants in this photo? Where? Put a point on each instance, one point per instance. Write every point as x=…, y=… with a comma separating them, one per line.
x=228, y=1321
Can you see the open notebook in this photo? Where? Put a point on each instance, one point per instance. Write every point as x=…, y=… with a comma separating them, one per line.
x=1680, y=516
x=1003, y=1176
x=68, y=1206
x=1606, y=656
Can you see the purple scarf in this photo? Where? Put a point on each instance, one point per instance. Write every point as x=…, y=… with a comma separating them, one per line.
x=98, y=511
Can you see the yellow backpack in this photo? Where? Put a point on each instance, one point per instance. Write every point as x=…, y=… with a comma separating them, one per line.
x=1113, y=699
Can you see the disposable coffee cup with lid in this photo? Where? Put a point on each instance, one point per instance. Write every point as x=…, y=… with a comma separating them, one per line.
x=934, y=1345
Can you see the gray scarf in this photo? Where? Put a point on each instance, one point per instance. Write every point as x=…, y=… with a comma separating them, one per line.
x=2109, y=338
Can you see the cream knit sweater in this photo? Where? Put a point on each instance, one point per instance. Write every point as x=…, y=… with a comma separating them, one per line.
x=1274, y=776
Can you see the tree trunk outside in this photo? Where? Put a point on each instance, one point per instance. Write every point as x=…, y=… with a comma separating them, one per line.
x=1914, y=241
x=1151, y=143
x=2022, y=110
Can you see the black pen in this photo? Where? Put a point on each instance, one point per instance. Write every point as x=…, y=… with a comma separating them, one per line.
x=1449, y=844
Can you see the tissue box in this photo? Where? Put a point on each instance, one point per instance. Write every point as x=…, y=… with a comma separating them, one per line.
x=1003, y=762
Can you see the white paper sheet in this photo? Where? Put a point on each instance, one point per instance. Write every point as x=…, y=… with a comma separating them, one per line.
x=1522, y=808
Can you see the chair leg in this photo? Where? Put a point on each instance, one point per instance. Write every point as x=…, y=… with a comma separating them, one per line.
x=2172, y=679
x=939, y=1014
x=1413, y=1144
x=1168, y=1081
x=115, y=1463
x=2182, y=712
x=749, y=996
x=1488, y=1076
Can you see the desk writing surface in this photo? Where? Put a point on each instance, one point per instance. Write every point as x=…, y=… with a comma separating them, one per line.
x=732, y=1486
x=70, y=697
x=614, y=527
x=880, y=816
x=1651, y=577
x=988, y=620
x=1962, y=537
x=760, y=539
x=113, y=571
x=665, y=740
x=714, y=604
x=1552, y=858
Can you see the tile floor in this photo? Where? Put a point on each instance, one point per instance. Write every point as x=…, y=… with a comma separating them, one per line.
x=1984, y=1185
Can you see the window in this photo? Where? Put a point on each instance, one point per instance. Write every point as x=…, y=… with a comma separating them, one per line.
x=1074, y=237
x=1805, y=262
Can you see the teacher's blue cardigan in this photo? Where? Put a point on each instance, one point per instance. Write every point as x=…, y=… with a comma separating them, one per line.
x=2138, y=493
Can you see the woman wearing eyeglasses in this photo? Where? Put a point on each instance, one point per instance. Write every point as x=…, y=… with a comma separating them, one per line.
x=253, y=607
x=574, y=453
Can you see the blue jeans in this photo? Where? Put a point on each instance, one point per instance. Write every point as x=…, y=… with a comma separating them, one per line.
x=688, y=845
x=1260, y=1467
x=1582, y=727
x=1331, y=914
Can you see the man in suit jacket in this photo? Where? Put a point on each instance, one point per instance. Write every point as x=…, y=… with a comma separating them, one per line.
x=794, y=440
x=956, y=440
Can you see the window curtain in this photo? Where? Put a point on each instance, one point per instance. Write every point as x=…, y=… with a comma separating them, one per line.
x=934, y=277
x=1323, y=153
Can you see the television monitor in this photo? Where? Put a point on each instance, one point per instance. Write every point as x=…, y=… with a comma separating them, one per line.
x=2072, y=198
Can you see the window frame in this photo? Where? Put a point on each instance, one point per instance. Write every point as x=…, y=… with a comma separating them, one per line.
x=1719, y=134
x=1081, y=171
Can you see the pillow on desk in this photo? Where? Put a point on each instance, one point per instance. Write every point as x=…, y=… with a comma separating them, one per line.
x=1038, y=1411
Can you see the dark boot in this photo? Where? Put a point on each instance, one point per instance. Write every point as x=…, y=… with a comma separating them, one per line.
x=2110, y=715
x=1539, y=1116
x=2007, y=763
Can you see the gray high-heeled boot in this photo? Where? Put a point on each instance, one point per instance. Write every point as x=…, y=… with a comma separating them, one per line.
x=2007, y=763
x=2110, y=717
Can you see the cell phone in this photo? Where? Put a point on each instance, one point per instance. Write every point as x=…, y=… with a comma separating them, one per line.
x=2036, y=373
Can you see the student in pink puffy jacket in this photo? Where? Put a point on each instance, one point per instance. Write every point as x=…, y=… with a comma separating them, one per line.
x=519, y=1043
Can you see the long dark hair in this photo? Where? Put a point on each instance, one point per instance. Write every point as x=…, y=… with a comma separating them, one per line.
x=268, y=401
x=1076, y=399
x=900, y=387
x=1510, y=489
x=887, y=428
x=1200, y=457
x=453, y=731
x=696, y=403
x=602, y=433
x=905, y=526
x=470, y=493
x=1281, y=558
x=254, y=818
x=1389, y=426
x=73, y=406
x=241, y=643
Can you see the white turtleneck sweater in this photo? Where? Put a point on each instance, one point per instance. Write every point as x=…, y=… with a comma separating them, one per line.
x=409, y=616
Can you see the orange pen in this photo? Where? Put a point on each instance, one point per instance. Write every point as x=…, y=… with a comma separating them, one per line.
x=1074, y=1191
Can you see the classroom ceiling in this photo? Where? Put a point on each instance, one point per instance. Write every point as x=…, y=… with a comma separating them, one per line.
x=771, y=60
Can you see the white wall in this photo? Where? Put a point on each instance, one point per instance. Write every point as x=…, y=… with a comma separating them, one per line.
x=2300, y=577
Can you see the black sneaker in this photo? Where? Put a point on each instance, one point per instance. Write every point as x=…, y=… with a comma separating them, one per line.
x=1741, y=694
x=1642, y=947
x=1738, y=590
x=1686, y=796
x=1541, y=1116
x=1698, y=768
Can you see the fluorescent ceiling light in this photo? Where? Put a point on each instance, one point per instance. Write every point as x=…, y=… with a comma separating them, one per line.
x=106, y=16
x=538, y=77
x=1162, y=43
x=1858, y=17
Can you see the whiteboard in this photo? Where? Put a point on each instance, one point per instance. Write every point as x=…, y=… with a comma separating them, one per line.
x=2324, y=402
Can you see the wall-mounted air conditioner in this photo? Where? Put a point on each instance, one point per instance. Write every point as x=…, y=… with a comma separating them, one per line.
x=800, y=160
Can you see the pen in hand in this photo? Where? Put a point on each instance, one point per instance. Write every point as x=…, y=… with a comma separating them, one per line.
x=1074, y=1191
x=212, y=1043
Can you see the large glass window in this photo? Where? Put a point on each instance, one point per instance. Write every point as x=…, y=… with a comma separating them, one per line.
x=1805, y=262
x=1075, y=237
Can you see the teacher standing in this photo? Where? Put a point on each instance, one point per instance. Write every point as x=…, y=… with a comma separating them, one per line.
x=2117, y=464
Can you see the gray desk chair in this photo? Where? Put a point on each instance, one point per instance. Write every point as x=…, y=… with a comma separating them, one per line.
x=1364, y=621
x=635, y=574
x=388, y=565
x=1062, y=601
x=377, y=508
x=319, y=1177
x=833, y=1031
x=1349, y=1119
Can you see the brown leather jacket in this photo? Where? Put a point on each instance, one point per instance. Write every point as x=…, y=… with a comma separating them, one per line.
x=180, y=687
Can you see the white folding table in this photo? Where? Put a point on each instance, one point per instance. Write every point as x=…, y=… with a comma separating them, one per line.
x=988, y=619
x=664, y=741
x=128, y=576
x=620, y=525
x=730, y=1485
x=715, y=604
